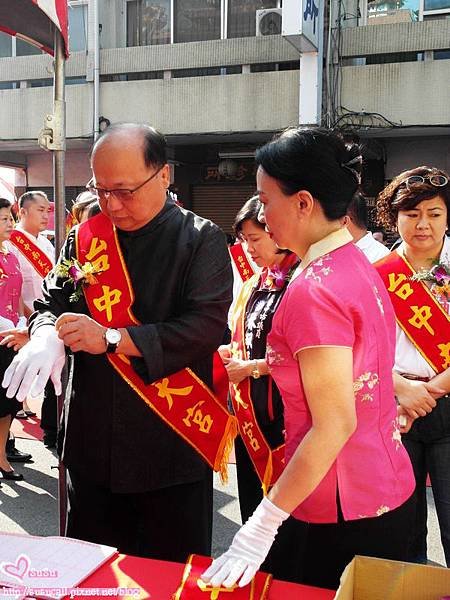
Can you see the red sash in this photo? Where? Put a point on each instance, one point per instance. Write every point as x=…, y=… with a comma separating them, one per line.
x=35, y=256
x=182, y=400
x=268, y=463
x=241, y=261
x=418, y=312
x=194, y=588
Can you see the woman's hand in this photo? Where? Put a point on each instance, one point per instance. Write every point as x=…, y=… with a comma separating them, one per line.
x=224, y=352
x=249, y=548
x=416, y=397
x=404, y=420
x=238, y=369
x=14, y=338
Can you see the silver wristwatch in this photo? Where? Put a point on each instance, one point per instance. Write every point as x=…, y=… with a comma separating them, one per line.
x=112, y=339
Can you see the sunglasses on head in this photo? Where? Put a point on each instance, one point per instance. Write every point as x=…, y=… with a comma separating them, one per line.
x=434, y=180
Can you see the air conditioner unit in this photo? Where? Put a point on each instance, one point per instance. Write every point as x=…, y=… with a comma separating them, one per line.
x=268, y=21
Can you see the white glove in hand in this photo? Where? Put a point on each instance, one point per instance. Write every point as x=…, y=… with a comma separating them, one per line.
x=6, y=324
x=41, y=358
x=249, y=548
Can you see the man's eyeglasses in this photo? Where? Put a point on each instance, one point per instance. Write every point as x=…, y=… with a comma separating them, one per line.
x=434, y=180
x=121, y=194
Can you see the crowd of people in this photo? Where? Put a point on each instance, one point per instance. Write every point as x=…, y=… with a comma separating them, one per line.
x=27, y=256
x=335, y=366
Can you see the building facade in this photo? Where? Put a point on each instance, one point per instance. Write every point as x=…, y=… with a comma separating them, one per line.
x=218, y=78
x=196, y=70
x=389, y=74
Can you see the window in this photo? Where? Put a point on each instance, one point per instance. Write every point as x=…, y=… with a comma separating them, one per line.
x=441, y=55
x=148, y=22
x=292, y=65
x=436, y=4
x=196, y=20
x=77, y=13
x=26, y=49
x=5, y=45
x=242, y=16
x=203, y=72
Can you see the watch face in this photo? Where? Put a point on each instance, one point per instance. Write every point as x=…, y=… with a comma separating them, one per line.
x=113, y=336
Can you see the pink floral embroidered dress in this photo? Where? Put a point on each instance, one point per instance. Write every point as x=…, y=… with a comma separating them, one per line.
x=338, y=299
x=10, y=286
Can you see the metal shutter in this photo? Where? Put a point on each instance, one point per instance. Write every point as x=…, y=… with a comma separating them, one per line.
x=221, y=202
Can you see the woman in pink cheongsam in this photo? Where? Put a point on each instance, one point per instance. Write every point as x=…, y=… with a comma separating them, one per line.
x=331, y=353
x=10, y=309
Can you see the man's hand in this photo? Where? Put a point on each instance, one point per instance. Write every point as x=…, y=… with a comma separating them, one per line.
x=249, y=548
x=80, y=332
x=14, y=338
x=42, y=358
x=417, y=397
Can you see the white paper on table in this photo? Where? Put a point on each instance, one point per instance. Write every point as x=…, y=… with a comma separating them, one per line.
x=49, y=565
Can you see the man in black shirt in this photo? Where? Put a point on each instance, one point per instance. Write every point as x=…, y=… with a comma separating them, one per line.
x=133, y=482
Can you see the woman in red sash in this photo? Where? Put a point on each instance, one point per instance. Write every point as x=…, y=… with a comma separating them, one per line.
x=417, y=203
x=255, y=397
x=10, y=307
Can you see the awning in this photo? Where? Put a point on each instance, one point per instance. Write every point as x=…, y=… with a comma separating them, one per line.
x=34, y=21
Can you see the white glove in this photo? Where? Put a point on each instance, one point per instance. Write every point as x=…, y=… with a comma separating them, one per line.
x=22, y=323
x=6, y=324
x=43, y=357
x=249, y=548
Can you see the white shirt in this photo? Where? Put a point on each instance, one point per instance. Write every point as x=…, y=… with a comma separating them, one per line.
x=407, y=358
x=372, y=248
x=32, y=281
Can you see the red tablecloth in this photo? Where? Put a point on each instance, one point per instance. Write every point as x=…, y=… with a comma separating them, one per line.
x=159, y=580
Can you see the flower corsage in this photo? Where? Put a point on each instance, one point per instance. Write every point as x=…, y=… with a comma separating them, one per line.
x=439, y=277
x=78, y=275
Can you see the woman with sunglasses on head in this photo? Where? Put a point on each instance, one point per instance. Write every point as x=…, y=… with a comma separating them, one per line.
x=417, y=276
x=331, y=353
x=255, y=398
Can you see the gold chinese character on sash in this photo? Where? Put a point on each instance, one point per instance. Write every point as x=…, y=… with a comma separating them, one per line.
x=214, y=591
x=109, y=299
x=164, y=391
x=204, y=422
x=98, y=247
x=238, y=398
x=397, y=285
x=248, y=431
x=445, y=353
x=421, y=317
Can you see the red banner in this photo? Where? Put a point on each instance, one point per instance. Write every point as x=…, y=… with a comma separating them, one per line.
x=182, y=400
x=418, y=312
x=268, y=463
x=37, y=257
x=241, y=261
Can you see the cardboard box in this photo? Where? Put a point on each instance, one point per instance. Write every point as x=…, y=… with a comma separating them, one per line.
x=378, y=579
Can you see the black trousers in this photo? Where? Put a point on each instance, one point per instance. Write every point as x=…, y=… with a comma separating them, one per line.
x=165, y=524
x=330, y=547
x=284, y=558
x=49, y=410
x=8, y=406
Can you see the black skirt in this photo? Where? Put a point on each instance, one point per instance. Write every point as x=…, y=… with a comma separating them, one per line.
x=8, y=406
